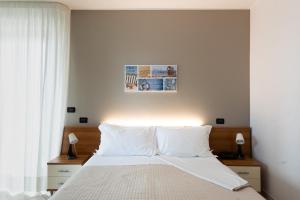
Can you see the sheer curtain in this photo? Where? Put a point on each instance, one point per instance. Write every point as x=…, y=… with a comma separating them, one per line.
x=34, y=62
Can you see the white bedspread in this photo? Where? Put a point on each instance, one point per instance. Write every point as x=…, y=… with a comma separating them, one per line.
x=98, y=160
x=209, y=169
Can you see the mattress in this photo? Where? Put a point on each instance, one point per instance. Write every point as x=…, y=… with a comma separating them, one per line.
x=154, y=178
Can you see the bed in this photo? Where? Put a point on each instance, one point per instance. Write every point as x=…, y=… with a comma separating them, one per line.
x=158, y=177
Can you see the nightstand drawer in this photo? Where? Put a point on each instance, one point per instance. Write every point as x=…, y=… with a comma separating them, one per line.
x=255, y=183
x=247, y=172
x=56, y=182
x=62, y=170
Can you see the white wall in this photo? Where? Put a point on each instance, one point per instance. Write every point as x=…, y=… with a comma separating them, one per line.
x=275, y=94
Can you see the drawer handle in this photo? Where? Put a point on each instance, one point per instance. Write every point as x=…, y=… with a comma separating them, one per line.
x=243, y=173
x=61, y=183
x=64, y=171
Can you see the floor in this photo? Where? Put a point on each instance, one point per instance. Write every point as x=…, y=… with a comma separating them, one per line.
x=7, y=196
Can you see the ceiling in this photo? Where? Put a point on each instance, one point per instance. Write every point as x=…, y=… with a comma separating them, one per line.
x=154, y=4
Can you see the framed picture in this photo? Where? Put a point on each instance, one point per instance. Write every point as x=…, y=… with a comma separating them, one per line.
x=150, y=78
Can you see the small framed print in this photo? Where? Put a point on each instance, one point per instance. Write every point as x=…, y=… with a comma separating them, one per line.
x=150, y=78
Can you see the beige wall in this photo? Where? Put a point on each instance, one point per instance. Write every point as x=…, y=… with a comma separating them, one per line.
x=275, y=94
x=211, y=49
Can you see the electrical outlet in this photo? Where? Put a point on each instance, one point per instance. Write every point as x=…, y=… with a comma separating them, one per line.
x=220, y=121
x=83, y=120
x=71, y=109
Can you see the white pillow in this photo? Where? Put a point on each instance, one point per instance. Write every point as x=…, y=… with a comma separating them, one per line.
x=127, y=141
x=184, y=141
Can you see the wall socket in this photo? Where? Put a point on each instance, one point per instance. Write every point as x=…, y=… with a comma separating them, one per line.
x=83, y=120
x=220, y=121
x=71, y=109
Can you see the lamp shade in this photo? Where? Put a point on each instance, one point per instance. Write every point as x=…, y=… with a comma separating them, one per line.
x=72, y=138
x=239, y=138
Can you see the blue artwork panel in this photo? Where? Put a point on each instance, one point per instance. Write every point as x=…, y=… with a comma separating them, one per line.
x=170, y=84
x=131, y=69
x=164, y=70
x=150, y=84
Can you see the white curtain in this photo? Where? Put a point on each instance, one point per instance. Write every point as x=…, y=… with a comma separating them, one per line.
x=34, y=64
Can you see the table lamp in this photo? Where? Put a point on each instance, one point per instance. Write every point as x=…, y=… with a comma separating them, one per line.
x=72, y=141
x=239, y=141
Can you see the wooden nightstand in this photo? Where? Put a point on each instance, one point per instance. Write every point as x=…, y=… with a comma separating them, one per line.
x=248, y=169
x=60, y=169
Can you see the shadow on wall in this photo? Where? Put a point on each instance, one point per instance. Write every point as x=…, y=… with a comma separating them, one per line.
x=285, y=189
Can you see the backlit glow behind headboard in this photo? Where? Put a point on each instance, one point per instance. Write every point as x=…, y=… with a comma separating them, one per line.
x=154, y=121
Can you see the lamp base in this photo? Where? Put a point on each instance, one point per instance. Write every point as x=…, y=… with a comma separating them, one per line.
x=240, y=155
x=71, y=155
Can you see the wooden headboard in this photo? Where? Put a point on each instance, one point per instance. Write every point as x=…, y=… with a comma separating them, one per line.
x=221, y=139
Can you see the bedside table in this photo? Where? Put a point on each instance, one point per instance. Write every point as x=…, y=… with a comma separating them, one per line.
x=248, y=169
x=60, y=169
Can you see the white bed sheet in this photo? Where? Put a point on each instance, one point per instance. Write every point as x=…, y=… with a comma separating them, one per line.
x=209, y=169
